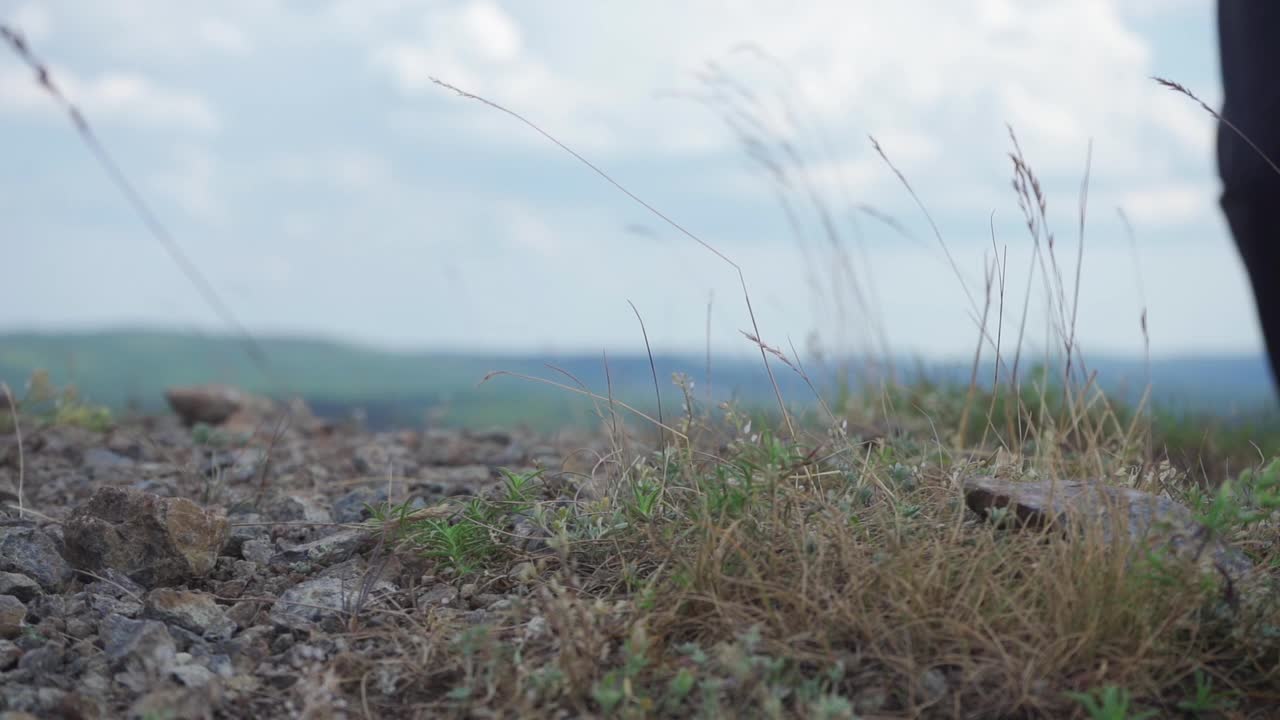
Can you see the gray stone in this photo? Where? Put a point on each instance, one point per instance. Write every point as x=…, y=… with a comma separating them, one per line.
x=244, y=569
x=80, y=628
x=441, y=595
x=354, y=506
x=176, y=703
x=113, y=583
x=300, y=508
x=258, y=551
x=244, y=528
x=104, y=605
x=65, y=441
x=156, y=541
x=237, y=466
x=9, y=654
x=137, y=645
x=34, y=552
x=326, y=601
x=461, y=480
x=193, y=611
x=933, y=686
x=194, y=676
x=245, y=613
x=384, y=458
x=100, y=459
x=330, y=548
x=40, y=702
x=528, y=536
x=44, y=660
x=19, y=586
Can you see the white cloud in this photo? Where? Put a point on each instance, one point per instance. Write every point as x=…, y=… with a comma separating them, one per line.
x=129, y=95
x=1169, y=204
x=490, y=31
x=343, y=168
x=33, y=21
x=120, y=97
x=223, y=36
x=191, y=181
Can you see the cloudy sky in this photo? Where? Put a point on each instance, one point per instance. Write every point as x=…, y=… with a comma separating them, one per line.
x=302, y=157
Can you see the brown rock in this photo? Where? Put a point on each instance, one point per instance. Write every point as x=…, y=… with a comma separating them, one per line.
x=156, y=541
x=194, y=611
x=212, y=404
x=12, y=613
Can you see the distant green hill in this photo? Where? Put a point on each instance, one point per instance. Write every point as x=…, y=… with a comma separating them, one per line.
x=130, y=369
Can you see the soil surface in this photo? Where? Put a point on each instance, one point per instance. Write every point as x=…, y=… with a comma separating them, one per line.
x=164, y=570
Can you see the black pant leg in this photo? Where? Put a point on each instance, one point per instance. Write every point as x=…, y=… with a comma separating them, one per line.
x=1249, y=47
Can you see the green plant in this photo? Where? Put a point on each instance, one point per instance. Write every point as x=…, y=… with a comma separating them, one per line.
x=464, y=543
x=1235, y=505
x=518, y=488
x=678, y=688
x=1109, y=703
x=1206, y=700
x=47, y=404
x=832, y=707
x=645, y=496
x=620, y=687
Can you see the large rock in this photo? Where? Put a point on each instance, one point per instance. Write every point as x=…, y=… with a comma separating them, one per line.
x=156, y=541
x=212, y=404
x=1150, y=520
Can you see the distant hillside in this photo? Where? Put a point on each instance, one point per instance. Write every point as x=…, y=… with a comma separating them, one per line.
x=124, y=369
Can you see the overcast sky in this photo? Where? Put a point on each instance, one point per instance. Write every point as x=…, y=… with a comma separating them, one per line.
x=300, y=154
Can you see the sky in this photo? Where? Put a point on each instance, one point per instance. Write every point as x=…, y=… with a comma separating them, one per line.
x=302, y=157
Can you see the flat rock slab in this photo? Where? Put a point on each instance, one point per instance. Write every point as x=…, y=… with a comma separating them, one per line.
x=1150, y=519
x=154, y=540
x=326, y=601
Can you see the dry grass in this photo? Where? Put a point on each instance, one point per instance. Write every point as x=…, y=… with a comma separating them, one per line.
x=764, y=582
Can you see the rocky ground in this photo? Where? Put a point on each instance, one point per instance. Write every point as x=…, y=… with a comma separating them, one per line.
x=225, y=567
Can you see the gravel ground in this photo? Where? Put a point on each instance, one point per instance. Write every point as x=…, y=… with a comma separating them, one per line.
x=161, y=570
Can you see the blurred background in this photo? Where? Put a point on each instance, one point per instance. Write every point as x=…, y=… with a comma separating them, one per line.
x=388, y=241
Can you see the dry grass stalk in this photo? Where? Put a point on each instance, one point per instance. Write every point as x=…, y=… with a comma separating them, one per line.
x=742, y=281
x=12, y=404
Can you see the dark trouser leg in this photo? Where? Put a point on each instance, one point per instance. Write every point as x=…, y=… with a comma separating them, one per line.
x=1249, y=46
x=1254, y=217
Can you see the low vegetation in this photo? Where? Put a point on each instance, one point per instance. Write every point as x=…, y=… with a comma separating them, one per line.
x=737, y=574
